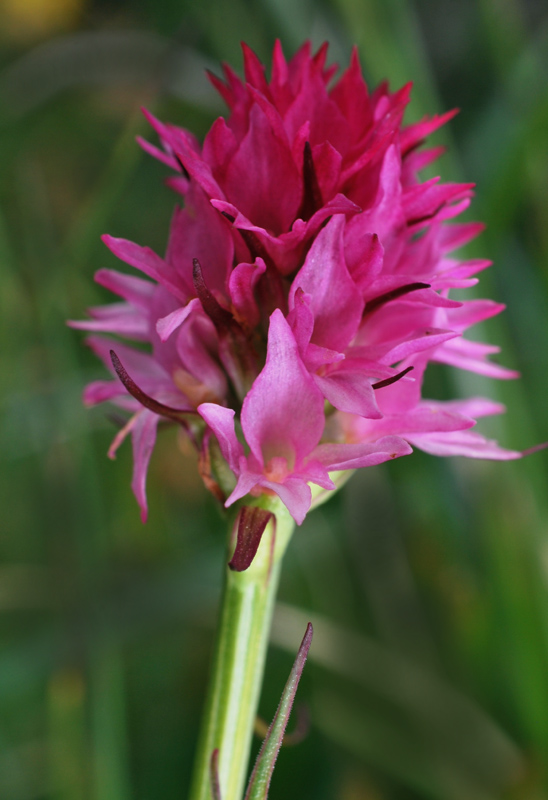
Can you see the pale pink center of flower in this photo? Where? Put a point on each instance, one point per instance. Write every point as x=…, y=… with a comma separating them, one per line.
x=276, y=470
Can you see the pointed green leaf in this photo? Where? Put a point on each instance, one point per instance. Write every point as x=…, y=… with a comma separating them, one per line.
x=261, y=776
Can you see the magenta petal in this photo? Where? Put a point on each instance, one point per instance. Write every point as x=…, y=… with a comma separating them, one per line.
x=282, y=414
x=134, y=290
x=197, y=347
x=352, y=97
x=313, y=471
x=425, y=200
x=241, y=287
x=428, y=417
x=155, y=152
x=166, y=325
x=459, y=234
x=219, y=146
x=262, y=179
x=327, y=162
x=145, y=369
x=121, y=319
x=246, y=482
x=199, y=231
x=462, y=443
x=182, y=145
x=100, y=391
x=349, y=391
x=143, y=436
x=335, y=301
x=316, y=357
x=221, y=422
x=295, y=494
x=472, y=407
x=352, y=456
x=147, y=261
x=364, y=254
x=254, y=70
x=413, y=135
x=417, y=342
x=472, y=356
x=301, y=319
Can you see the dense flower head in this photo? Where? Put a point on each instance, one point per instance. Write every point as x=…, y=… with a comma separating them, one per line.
x=304, y=290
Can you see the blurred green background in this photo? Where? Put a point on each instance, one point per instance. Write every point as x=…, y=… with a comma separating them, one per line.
x=426, y=579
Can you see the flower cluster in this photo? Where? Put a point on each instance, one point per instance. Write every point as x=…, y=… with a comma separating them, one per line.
x=304, y=290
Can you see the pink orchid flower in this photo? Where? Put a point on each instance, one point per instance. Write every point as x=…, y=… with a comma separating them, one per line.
x=282, y=421
x=304, y=290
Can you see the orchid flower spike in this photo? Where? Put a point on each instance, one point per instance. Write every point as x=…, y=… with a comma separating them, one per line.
x=304, y=291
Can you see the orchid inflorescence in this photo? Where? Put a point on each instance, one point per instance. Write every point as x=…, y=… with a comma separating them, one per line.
x=304, y=290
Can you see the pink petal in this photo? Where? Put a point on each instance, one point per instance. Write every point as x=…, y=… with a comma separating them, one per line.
x=364, y=254
x=143, y=368
x=462, y=443
x=417, y=342
x=295, y=494
x=161, y=155
x=254, y=70
x=286, y=249
x=220, y=144
x=199, y=231
x=327, y=163
x=221, y=422
x=315, y=357
x=337, y=457
x=134, y=290
x=335, y=303
x=473, y=311
x=351, y=96
x=197, y=346
x=241, y=287
x=472, y=407
x=121, y=319
x=312, y=103
x=166, y=325
x=471, y=356
x=350, y=392
x=178, y=183
x=147, y=261
x=181, y=143
x=459, y=234
x=100, y=391
x=417, y=160
x=391, y=283
x=301, y=319
x=143, y=437
x=282, y=414
x=262, y=179
x=279, y=66
x=425, y=418
x=383, y=213
x=424, y=200
x=246, y=482
x=414, y=135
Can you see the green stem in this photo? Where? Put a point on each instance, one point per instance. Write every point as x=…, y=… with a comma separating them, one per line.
x=242, y=641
